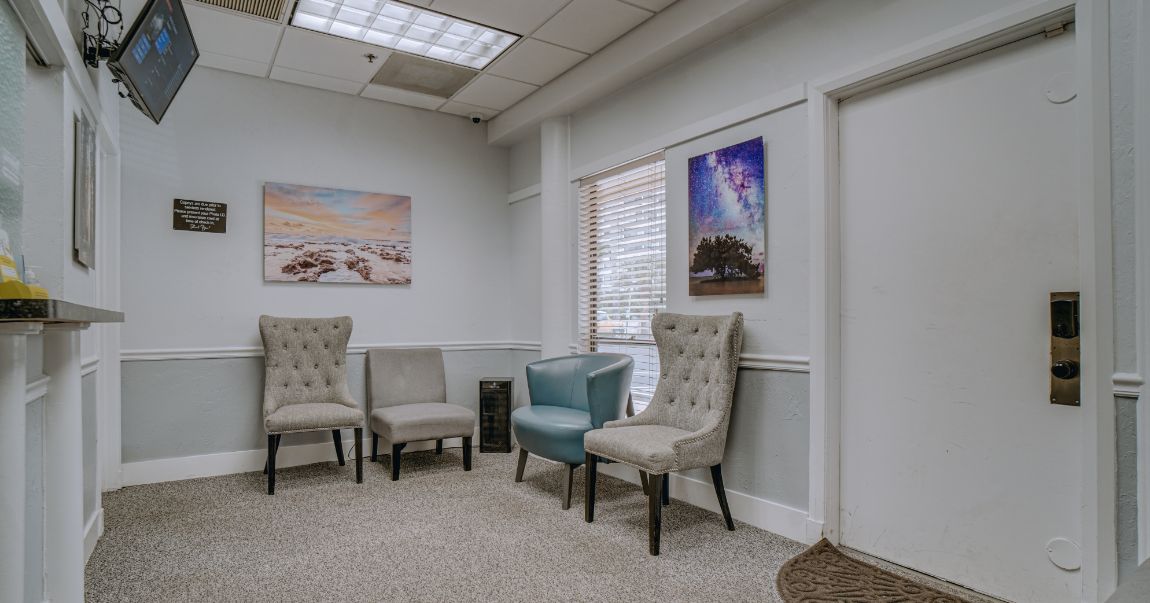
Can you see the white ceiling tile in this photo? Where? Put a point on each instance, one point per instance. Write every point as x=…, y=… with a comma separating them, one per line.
x=330, y=56
x=655, y=5
x=304, y=78
x=516, y=16
x=466, y=110
x=493, y=92
x=535, y=62
x=227, y=63
x=588, y=25
x=229, y=34
x=402, y=97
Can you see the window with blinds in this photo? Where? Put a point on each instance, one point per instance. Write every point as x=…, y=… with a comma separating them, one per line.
x=623, y=265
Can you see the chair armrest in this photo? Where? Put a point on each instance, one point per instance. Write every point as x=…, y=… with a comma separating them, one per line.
x=705, y=447
x=645, y=417
x=607, y=391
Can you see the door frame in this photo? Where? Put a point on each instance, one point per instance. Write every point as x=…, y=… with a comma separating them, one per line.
x=1092, y=122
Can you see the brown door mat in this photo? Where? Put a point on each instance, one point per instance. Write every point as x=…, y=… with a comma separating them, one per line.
x=823, y=574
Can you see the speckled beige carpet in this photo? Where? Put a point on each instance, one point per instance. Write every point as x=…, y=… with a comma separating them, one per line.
x=438, y=534
x=823, y=573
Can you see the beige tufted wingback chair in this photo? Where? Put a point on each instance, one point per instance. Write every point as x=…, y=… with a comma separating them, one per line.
x=305, y=384
x=685, y=425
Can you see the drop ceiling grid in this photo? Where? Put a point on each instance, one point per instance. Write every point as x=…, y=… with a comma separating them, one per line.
x=519, y=76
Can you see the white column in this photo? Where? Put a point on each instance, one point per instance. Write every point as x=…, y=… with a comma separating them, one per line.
x=13, y=425
x=63, y=465
x=557, y=278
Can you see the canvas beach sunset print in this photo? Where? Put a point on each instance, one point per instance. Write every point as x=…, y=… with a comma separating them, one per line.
x=727, y=199
x=330, y=235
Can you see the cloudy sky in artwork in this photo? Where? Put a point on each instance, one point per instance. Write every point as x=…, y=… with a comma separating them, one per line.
x=291, y=209
x=727, y=194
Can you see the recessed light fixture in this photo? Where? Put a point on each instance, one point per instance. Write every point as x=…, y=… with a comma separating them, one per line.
x=405, y=28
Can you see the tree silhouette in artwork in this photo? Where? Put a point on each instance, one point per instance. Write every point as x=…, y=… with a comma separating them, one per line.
x=727, y=256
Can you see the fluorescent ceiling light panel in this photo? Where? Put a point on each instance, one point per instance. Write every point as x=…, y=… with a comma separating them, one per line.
x=406, y=28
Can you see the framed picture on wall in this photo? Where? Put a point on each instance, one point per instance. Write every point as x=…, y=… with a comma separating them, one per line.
x=331, y=235
x=84, y=193
x=727, y=200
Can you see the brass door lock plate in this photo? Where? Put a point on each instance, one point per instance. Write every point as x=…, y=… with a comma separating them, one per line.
x=1065, y=355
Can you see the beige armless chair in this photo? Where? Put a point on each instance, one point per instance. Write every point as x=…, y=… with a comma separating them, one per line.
x=407, y=390
x=685, y=425
x=305, y=384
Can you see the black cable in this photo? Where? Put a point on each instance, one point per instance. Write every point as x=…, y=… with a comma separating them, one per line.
x=99, y=46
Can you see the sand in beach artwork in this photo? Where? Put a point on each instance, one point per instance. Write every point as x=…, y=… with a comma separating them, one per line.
x=727, y=199
x=330, y=235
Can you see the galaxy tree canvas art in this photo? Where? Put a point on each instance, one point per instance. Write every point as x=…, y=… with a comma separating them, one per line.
x=330, y=235
x=727, y=198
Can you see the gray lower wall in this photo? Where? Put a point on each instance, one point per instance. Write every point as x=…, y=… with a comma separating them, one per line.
x=1127, y=444
x=176, y=408
x=91, y=454
x=769, y=438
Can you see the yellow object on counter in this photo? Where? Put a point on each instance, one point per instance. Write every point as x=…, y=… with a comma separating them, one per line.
x=14, y=289
x=8, y=270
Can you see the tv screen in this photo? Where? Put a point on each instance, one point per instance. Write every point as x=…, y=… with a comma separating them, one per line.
x=156, y=56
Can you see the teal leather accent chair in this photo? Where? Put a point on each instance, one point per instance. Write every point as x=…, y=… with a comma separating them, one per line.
x=570, y=396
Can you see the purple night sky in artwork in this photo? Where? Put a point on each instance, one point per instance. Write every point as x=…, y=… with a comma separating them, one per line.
x=727, y=195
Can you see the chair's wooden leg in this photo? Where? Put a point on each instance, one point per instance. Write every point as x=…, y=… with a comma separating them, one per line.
x=335, y=436
x=643, y=479
x=374, y=446
x=522, y=464
x=395, y=448
x=273, y=445
x=717, y=479
x=358, y=455
x=467, y=453
x=277, y=446
x=666, y=489
x=654, y=514
x=567, y=486
x=589, y=502
x=438, y=446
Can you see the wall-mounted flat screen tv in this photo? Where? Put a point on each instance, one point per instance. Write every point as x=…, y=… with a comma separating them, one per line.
x=156, y=56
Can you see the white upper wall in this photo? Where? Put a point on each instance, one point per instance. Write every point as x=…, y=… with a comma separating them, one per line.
x=801, y=41
x=227, y=134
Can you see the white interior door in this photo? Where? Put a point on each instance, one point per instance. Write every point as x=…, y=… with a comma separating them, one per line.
x=958, y=220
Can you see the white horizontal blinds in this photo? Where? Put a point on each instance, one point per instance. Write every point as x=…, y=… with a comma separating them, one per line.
x=623, y=264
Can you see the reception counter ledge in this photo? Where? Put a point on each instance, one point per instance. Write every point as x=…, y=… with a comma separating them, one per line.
x=60, y=323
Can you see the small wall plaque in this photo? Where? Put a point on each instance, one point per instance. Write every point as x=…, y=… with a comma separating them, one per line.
x=199, y=216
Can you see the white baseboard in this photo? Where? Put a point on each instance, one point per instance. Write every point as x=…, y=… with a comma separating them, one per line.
x=759, y=512
x=92, y=532
x=243, y=461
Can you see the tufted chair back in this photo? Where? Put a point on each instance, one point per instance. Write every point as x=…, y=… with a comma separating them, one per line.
x=305, y=361
x=698, y=363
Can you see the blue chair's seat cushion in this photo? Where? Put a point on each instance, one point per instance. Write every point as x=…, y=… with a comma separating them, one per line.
x=648, y=447
x=552, y=432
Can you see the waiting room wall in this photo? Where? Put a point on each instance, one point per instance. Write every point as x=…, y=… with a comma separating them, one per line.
x=192, y=381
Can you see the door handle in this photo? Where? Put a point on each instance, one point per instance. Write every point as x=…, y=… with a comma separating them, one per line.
x=1064, y=369
x=1064, y=349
